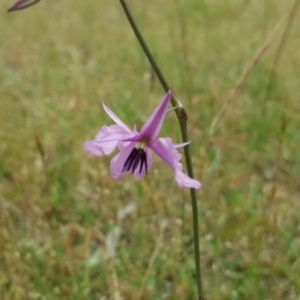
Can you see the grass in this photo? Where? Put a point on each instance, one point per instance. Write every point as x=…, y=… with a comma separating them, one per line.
x=68, y=231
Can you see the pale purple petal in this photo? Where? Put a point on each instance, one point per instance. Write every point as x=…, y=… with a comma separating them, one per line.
x=186, y=182
x=179, y=145
x=106, y=140
x=117, y=163
x=115, y=118
x=152, y=127
x=164, y=148
x=21, y=4
x=98, y=148
x=137, y=173
x=113, y=132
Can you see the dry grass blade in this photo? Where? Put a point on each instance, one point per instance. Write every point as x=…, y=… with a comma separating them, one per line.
x=114, y=281
x=154, y=255
x=283, y=41
x=238, y=87
x=39, y=145
x=184, y=47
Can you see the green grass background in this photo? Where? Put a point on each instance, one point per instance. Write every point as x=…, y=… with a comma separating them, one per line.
x=62, y=233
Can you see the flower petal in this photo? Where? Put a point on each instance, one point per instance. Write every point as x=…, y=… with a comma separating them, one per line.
x=106, y=140
x=143, y=170
x=21, y=4
x=164, y=148
x=117, y=163
x=181, y=144
x=115, y=118
x=185, y=181
x=152, y=127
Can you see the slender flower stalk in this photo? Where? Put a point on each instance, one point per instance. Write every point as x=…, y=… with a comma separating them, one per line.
x=135, y=155
x=22, y=4
x=182, y=117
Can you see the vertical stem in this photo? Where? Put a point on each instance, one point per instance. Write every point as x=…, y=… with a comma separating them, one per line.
x=182, y=119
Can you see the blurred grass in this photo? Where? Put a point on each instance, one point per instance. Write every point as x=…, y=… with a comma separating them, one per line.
x=59, y=208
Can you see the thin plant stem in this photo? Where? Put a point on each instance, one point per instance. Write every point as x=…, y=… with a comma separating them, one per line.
x=182, y=119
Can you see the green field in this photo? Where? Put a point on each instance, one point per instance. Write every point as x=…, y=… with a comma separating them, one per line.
x=69, y=231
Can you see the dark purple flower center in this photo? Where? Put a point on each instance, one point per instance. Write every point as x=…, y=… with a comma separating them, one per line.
x=137, y=158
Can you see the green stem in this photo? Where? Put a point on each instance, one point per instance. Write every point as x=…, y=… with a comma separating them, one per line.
x=182, y=119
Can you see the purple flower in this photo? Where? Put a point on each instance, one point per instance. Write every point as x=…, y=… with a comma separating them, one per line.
x=135, y=155
x=21, y=4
